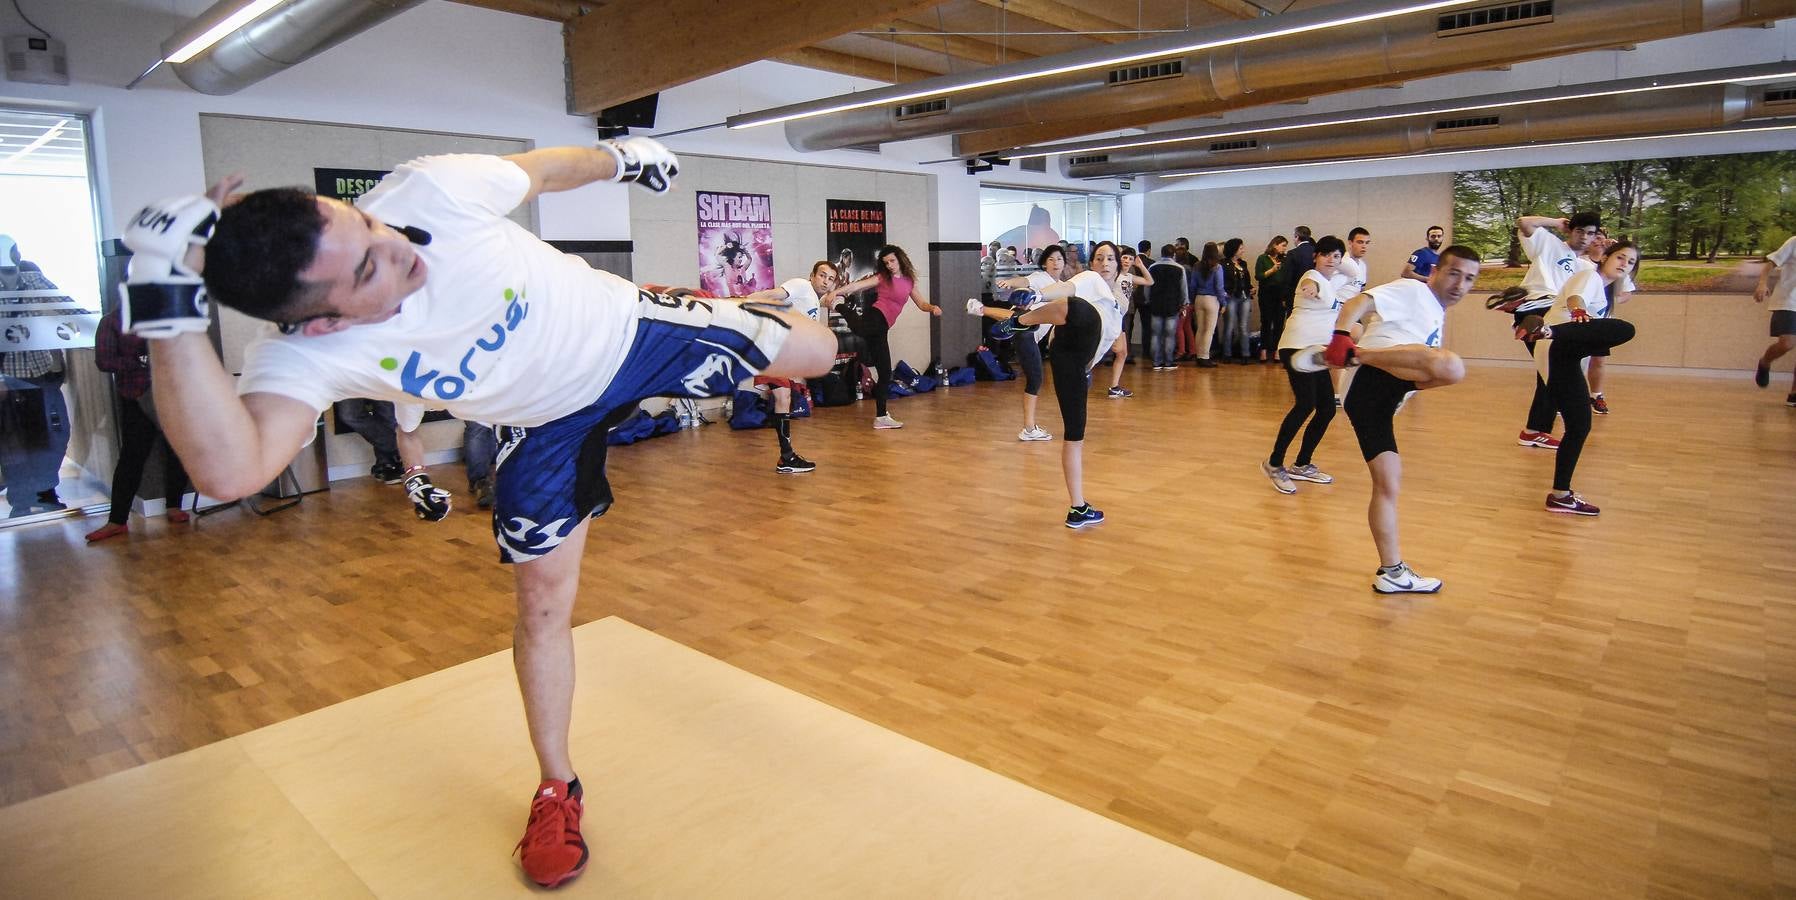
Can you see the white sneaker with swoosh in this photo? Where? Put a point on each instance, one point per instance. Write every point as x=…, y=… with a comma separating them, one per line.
x=1404, y=580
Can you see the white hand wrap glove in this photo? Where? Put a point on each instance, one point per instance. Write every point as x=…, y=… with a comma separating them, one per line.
x=644, y=161
x=161, y=296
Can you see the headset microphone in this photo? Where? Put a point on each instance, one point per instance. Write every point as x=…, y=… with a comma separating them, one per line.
x=412, y=233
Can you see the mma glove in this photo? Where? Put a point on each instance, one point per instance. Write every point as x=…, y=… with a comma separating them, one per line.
x=429, y=501
x=1024, y=298
x=644, y=161
x=162, y=297
x=1340, y=349
x=1580, y=315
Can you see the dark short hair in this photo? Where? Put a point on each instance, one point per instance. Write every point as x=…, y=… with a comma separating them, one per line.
x=1357, y=231
x=1231, y=247
x=1586, y=219
x=1302, y=232
x=1145, y=246
x=261, y=244
x=1330, y=244
x=1041, y=259
x=1436, y=228
x=1460, y=251
x=1168, y=250
x=820, y=264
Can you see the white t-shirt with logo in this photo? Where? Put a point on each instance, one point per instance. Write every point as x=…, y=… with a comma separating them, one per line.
x=1550, y=262
x=1587, y=286
x=1404, y=311
x=803, y=297
x=1092, y=288
x=1040, y=281
x=1350, y=278
x=1312, y=319
x=1784, y=295
x=506, y=329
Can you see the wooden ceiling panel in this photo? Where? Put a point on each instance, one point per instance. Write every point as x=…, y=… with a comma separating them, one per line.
x=623, y=51
x=886, y=53
x=968, y=52
x=853, y=66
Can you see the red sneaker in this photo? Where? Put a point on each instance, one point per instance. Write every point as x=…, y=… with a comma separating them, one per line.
x=553, y=851
x=1537, y=439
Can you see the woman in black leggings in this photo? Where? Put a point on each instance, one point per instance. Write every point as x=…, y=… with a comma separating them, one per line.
x=1313, y=312
x=127, y=358
x=1571, y=331
x=895, y=281
x=1087, y=318
x=1028, y=347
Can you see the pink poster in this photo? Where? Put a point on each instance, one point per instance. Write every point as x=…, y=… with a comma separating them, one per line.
x=735, y=243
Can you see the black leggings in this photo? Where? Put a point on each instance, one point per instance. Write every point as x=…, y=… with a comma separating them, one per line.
x=1028, y=354
x=1314, y=399
x=1069, y=356
x=1567, y=390
x=1273, y=309
x=871, y=326
x=138, y=436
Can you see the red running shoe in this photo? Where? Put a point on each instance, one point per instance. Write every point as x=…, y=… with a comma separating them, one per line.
x=553, y=851
x=1537, y=439
x=1570, y=504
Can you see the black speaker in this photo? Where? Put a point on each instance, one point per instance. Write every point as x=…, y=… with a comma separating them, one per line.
x=639, y=113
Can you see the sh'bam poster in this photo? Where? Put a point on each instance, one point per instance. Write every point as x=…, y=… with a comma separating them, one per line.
x=735, y=243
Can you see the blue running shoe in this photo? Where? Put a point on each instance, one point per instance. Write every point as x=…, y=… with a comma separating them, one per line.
x=1003, y=330
x=1081, y=516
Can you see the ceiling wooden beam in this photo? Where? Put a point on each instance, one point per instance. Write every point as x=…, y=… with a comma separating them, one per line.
x=553, y=10
x=854, y=66
x=1238, y=9
x=1060, y=15
x=622, y=51
x=972, y=50
x=974, y=143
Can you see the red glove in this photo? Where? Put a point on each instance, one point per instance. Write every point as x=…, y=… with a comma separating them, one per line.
x=1339, y=348
x=1580, y=315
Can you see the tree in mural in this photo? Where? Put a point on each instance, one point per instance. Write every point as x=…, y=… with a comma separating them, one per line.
x=1487, y=202
x=1694, y=209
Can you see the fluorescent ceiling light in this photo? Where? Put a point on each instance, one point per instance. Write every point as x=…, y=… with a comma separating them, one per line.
x=1125, y=144
x=771, y=117
x=249, y=13
x=49, y=135
x=1542, y=146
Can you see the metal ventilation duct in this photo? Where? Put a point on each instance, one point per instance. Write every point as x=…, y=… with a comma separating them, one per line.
x=1498, y=120
x=1288, y=67
x=288, y=35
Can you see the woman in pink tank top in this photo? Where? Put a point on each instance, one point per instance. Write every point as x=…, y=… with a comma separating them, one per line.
x=895, y=281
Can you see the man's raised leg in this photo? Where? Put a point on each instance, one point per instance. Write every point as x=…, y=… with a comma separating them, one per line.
x=1428, y=367
x=808, y=352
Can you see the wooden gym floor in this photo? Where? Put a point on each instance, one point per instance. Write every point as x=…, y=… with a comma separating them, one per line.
x=1591, y=707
